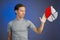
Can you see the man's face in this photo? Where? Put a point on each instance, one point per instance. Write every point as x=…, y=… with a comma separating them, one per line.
x=21, y=12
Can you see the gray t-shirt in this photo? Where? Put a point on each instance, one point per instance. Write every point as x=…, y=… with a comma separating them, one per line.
x=19, y=28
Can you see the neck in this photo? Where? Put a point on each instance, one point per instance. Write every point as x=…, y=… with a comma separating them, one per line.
x=18, y=18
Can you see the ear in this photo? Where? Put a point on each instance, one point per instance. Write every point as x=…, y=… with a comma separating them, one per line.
x=16, y=11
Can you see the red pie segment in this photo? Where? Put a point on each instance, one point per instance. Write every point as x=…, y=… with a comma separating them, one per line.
x=47, y=11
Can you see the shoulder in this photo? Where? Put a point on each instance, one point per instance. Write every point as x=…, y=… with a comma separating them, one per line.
x=28, y=21
x=10, y=22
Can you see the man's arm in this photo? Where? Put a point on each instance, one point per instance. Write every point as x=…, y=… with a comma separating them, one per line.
x=9, y=35
x=40, y=28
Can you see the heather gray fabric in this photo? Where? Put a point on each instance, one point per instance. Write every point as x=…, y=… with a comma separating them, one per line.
x=19, y=28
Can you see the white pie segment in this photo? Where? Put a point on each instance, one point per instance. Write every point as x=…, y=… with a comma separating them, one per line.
x=53, y=15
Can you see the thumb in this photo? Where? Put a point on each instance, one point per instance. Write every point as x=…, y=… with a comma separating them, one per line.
x=40, y=18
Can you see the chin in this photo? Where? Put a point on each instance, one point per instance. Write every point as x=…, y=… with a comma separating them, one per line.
x=22, y=17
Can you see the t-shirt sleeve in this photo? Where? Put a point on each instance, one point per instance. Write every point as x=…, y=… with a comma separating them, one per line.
x=9, y=26
x=31, y=25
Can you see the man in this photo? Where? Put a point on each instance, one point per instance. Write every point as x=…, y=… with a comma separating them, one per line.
x=18, y=28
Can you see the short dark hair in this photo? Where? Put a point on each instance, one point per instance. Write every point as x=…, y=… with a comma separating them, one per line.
x=18, y=5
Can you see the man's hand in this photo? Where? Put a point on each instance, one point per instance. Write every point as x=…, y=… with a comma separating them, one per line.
x=40, y=28
x=43, y=19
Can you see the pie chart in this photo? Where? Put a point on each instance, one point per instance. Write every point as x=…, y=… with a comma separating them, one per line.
x=50, y=13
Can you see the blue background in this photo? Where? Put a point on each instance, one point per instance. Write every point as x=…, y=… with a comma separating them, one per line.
x=34, y=10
